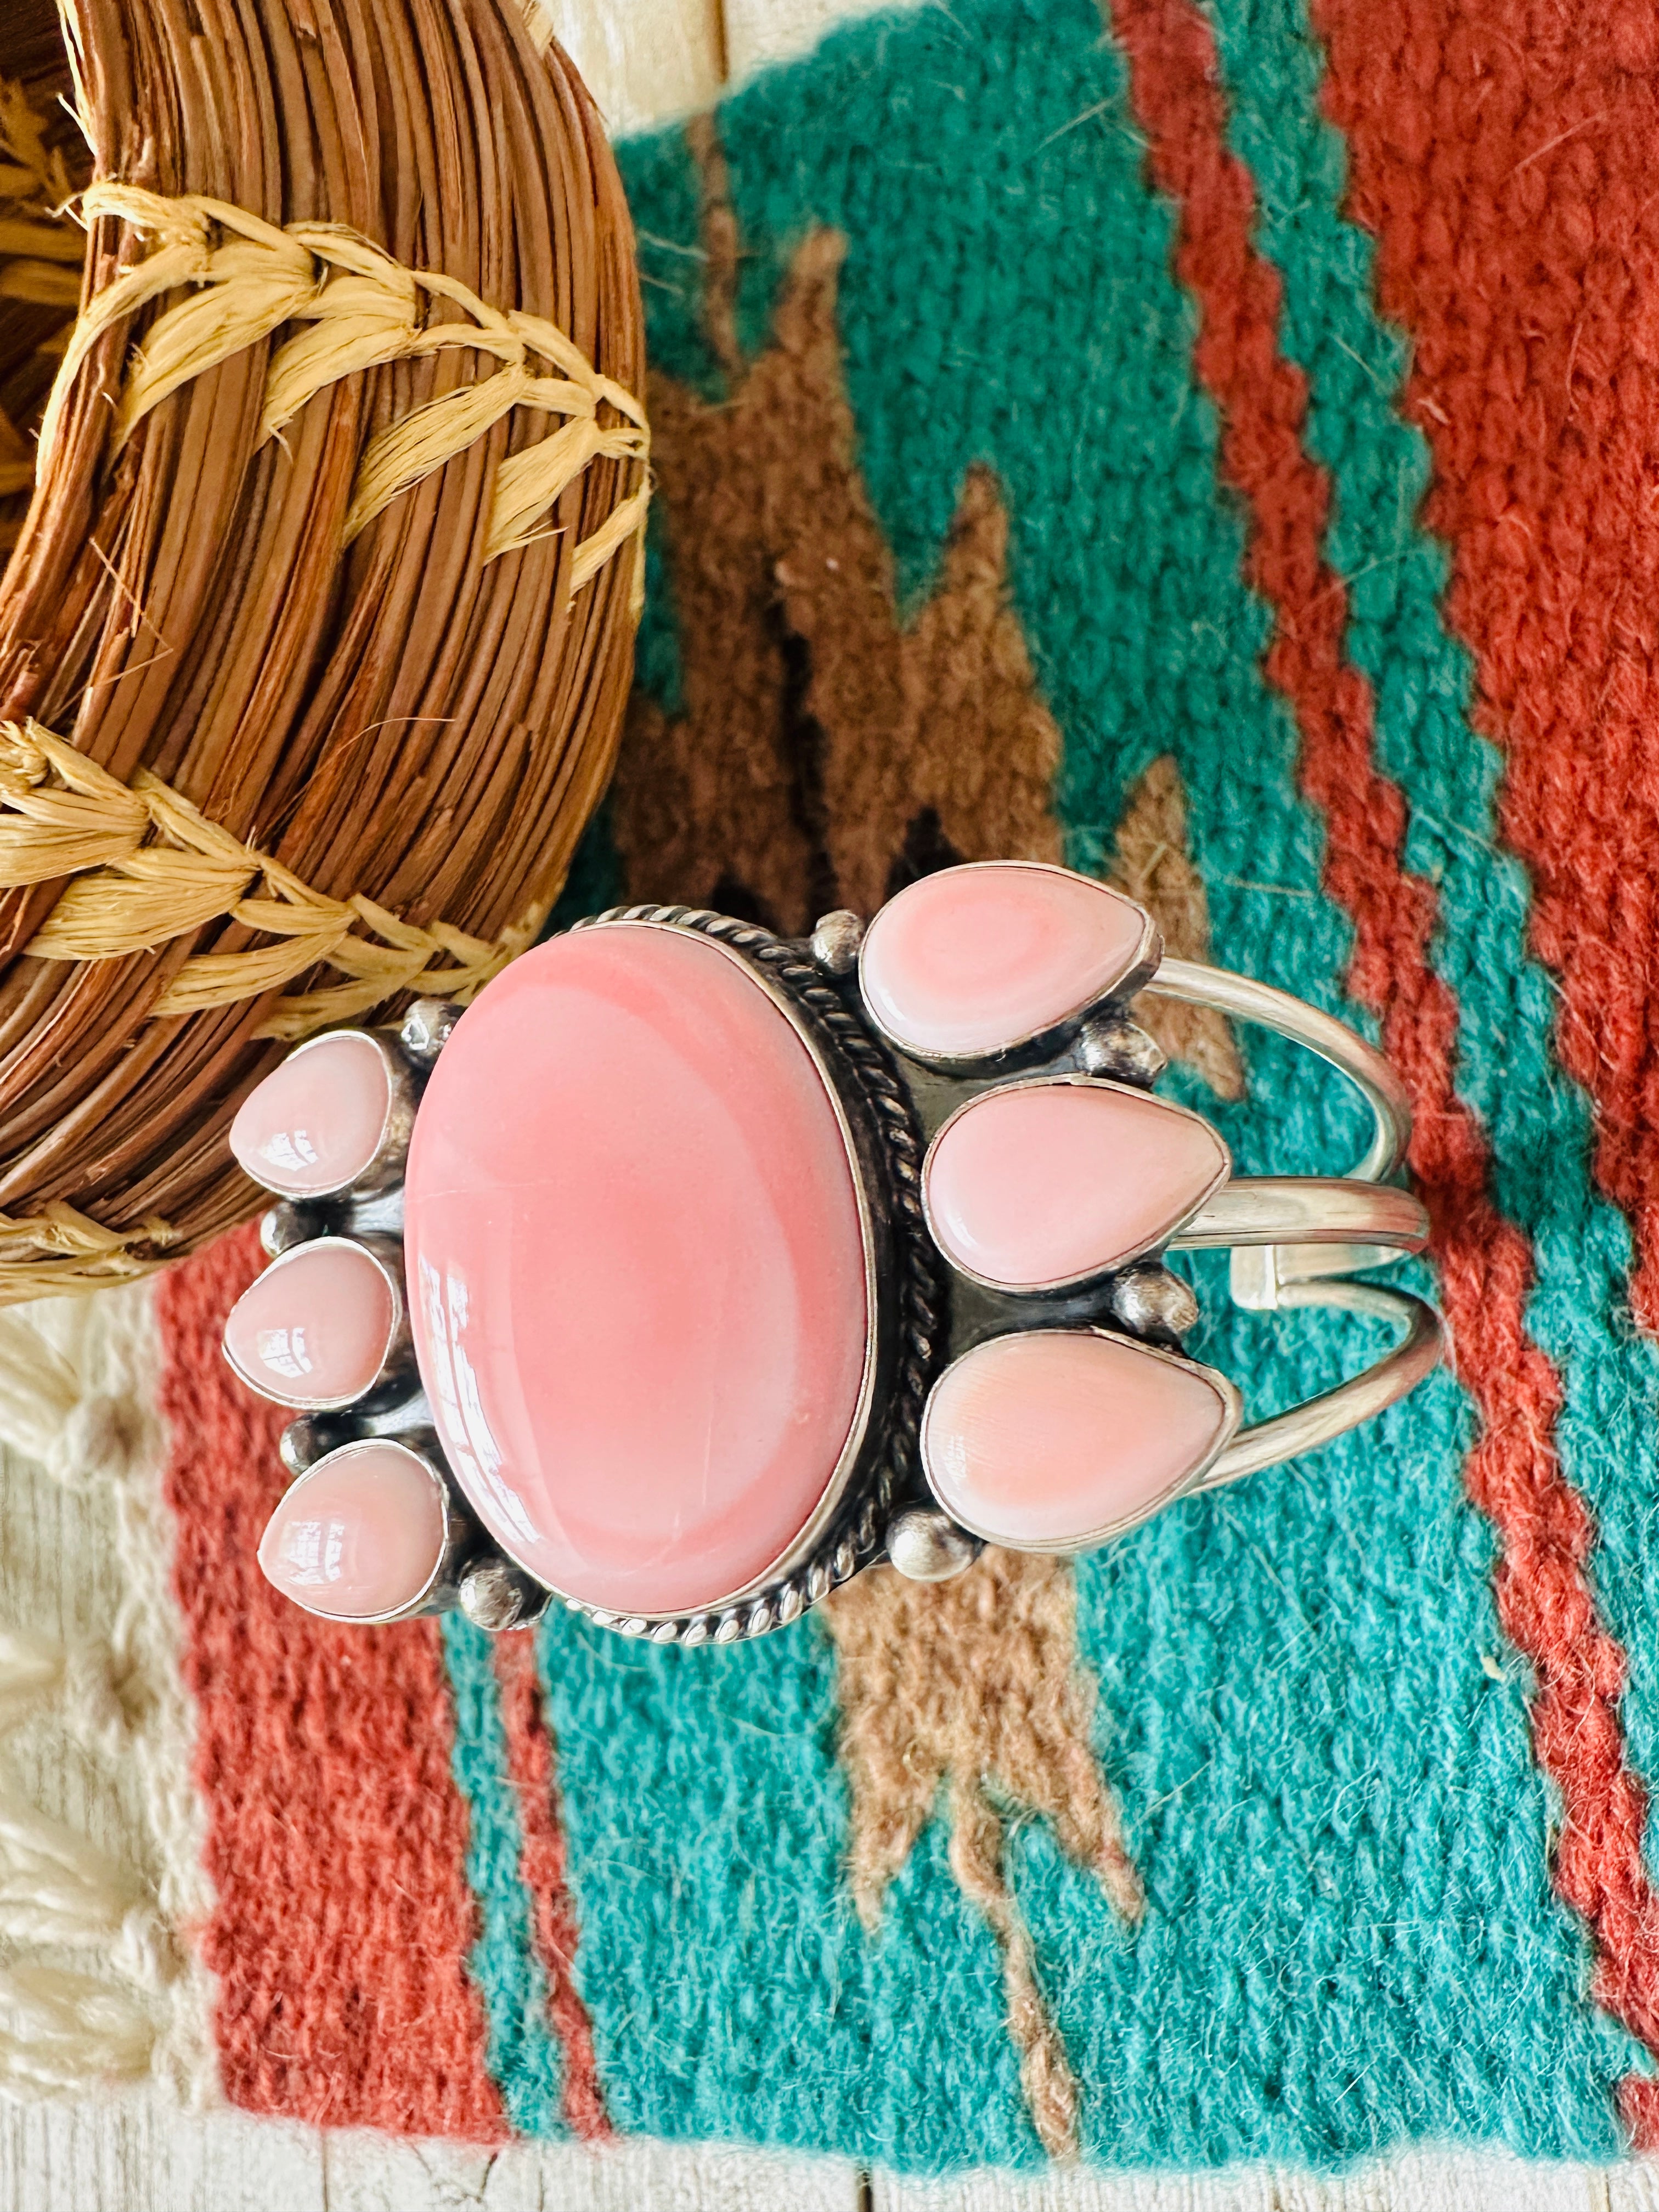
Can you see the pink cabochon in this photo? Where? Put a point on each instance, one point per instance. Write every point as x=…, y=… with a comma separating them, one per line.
x=315, y=1328
x=360, y=1534
x=1044, y=1182
x=636, y=1268
x=975, y=958
x=1045, y=1440
x=317, y=1123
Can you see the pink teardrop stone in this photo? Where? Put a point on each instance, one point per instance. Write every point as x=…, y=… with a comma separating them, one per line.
x=636, y=1269
x=1047, y=1182
x=315, y=1328
x=317, y=1123
x=1051, y=1440
x=973, y=959
x=360, y=1534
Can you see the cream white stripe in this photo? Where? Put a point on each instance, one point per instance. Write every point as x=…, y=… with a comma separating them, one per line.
x=100, y=1855
x=650, y=61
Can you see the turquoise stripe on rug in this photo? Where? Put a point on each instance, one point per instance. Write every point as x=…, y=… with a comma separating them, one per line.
x=524, y=2055
x=1422, y=679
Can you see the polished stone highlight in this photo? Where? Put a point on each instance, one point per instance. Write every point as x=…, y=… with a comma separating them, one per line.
x=359, y=1535
x=636, y=1269
x=975, y=959
x=1052, y=1440
x=315, y=1328
x=315, y=1124
x=1052, y=1182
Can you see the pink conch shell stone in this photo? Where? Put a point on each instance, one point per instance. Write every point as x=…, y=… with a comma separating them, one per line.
x=636, y=1269
x=359, y=1535
x=975, y=958
x=317, y=1123
x=1047, y=1182
x=1050, y=1440
x=315, y=1328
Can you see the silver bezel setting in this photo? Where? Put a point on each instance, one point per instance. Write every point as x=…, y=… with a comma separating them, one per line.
x=1090, y=1277
x=396, y=1373
x=384, y=1166
x=1033, y=1047
x=460, y=1539
x=1188, y=1480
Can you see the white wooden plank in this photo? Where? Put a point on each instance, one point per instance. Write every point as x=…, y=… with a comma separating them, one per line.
x=644, y=61
x=134, y=2154
x=1425, y=2181
x=1632, y=2188
x=365, y=2173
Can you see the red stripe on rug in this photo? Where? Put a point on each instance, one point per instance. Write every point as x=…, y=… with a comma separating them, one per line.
x=336, y=1838
x=530, y=1761
x=1513, y=1475
x=1505, y=165
x=1505, y=161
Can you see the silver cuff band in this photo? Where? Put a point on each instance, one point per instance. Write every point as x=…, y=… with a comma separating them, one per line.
x=1304, y=1427
x=1291, y=1237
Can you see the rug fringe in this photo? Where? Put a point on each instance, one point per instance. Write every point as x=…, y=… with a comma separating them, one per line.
x=97, y=1987
x=40, y=1391
x=64, y=2034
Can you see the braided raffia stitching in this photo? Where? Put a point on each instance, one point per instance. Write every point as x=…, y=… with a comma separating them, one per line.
x=149, y=867
x=364, y=310
x=59, y=1253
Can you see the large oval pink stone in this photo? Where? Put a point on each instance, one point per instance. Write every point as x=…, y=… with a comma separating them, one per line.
x=1052, y=1440
x=1050, y=1183
x=966, y=962
x=316, y=1124
x=315, y=1328
x=359, y=1535
x=636, y=1269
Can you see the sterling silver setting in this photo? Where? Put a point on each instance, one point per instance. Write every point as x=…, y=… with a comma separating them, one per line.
x=396, y=1376
x=1159, y=1241
x=1050, y=1041
x=1295, y=1242
x=461, y=1544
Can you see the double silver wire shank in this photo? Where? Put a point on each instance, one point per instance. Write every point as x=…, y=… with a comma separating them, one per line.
x=1298, y=1241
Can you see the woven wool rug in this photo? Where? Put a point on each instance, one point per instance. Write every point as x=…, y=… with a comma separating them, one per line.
x=1214, y=445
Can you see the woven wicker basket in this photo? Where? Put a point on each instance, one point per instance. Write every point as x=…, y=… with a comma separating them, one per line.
x=316, y=635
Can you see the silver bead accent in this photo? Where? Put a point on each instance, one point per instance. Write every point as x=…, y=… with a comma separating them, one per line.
x=836, y=942
x=1154, y=1299
x=301, y=1446
x=426, y=1029
x=1111, y=1044
x=927, y=1546
x=284, y=1227
x=495, y=1596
